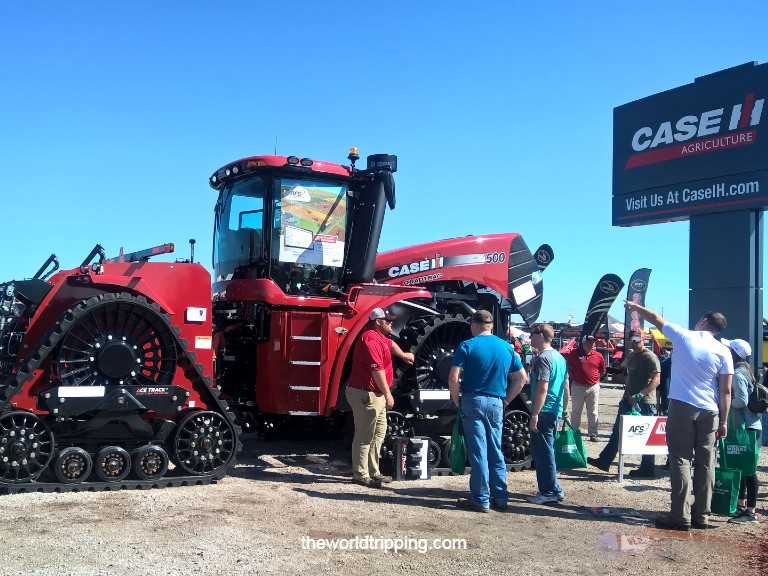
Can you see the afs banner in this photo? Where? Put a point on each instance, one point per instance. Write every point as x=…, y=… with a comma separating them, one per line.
x=643, y=435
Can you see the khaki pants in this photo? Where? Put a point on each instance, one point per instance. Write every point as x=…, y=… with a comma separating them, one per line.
x=370, y=414
x=589, y=395
x=691, y=434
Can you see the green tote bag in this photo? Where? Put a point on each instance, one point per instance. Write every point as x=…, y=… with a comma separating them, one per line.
x=569, y=448
x=458, y=454
x=725, y=494
x=741, y=451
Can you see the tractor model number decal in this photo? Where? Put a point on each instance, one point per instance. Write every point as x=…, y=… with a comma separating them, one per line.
x=495, y=257
x=421, y=279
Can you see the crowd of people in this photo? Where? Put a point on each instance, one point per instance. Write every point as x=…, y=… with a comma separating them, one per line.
x=708, y=380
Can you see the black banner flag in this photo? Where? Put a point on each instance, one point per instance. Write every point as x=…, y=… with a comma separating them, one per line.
x=636, y=290
x=606, y=292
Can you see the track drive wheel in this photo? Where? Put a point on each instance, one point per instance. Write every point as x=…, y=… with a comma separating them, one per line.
x=26, y=447
x=433, y=342
x=116, y=339
x=204, y=443
x=73, y=465
x=150, y=462
x=112, y=464
x=516, y=440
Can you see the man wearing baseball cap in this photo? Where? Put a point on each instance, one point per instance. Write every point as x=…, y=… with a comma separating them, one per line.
x=643, y=377
x=369, y=396
x=585, y=367
x=492, y=375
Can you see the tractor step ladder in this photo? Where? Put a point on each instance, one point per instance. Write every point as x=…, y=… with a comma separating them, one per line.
x=306, y=358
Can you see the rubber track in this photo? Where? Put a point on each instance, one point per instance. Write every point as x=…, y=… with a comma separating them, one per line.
x=193, y=371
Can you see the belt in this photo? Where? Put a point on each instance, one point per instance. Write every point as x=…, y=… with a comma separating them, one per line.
x=480, y=394
x=580, y=384
x=365, y=390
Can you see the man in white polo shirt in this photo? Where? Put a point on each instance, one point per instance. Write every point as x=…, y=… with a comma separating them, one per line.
x=699, y=401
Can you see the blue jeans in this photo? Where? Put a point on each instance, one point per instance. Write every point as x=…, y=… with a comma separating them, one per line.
x=543, y=452
x=608, y=455
x=482, y=418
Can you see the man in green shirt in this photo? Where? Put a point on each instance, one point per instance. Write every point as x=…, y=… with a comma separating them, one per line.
x=643, y=377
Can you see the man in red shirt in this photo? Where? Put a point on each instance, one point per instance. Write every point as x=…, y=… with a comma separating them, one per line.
x=369, y=396
x=585, y=367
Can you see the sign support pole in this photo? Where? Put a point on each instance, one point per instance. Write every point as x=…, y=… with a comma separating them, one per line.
x=726, y=274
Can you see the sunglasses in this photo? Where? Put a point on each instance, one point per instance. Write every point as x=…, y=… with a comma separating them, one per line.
x=532, y=333
x=386, y=320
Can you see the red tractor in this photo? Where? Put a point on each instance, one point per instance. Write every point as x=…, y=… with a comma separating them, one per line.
x=126, y=373
x=297, y=274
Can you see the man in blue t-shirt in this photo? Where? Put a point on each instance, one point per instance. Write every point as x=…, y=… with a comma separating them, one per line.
x=551, y=392
x=492, y=376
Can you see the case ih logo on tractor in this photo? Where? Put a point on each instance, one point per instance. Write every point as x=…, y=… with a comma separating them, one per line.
x=117, y=368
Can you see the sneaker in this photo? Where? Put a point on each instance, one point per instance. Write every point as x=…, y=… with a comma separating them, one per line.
x=381, y=479
x=499, y=506
x=594, y=438
x=597, y=463
x=667, y=523
x=641, y=474
x=561, y=497
x=744, y=517
x=471, y=505
x=541, y=499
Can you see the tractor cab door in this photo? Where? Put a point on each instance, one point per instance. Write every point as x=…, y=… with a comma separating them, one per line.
x=238, y=240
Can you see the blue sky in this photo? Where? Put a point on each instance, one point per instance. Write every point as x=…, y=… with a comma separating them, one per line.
x=114, y=115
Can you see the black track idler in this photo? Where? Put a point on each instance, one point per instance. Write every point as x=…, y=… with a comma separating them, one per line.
x=26, y=446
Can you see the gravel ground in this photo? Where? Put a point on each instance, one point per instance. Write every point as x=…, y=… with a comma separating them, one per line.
x=284, y=497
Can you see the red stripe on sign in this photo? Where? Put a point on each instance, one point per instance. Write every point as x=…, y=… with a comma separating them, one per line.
x=746, y=110
x=733, y=140
x=658, y=436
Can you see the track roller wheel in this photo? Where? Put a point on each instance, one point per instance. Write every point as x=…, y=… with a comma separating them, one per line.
x=445, y=453
x=204, y=443
x=26, y=447
x=112, y=464
x=397, y=427
x=434, y=453
x=516, y=440
x=150, y=462
x=73, y=465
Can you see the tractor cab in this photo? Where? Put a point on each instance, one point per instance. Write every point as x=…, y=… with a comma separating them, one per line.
x=310, y=227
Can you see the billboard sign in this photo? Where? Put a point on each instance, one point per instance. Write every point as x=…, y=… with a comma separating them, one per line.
x=699, y=148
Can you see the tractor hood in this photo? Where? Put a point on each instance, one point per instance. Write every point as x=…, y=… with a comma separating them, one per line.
x=501, y=262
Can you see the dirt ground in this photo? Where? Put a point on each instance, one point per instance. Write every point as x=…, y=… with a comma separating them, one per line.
x=285, y=500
